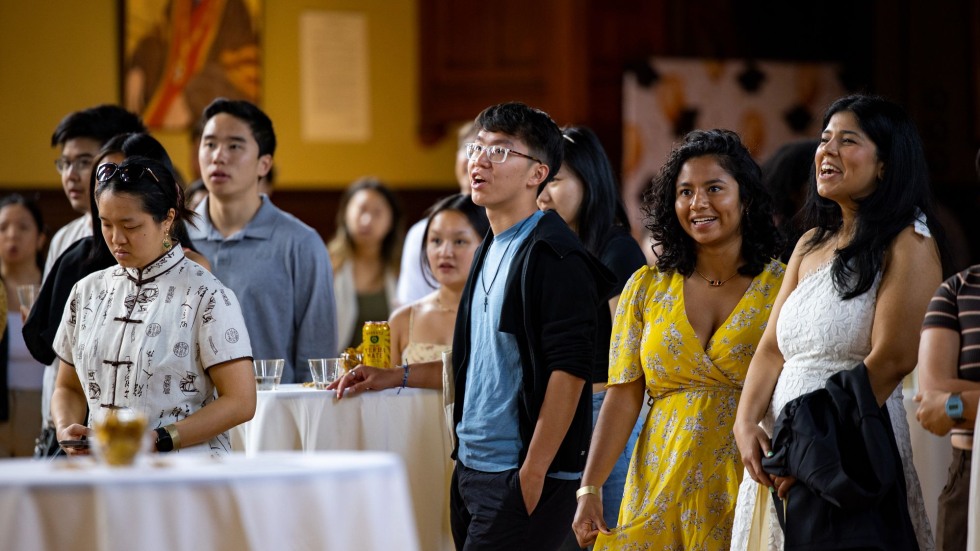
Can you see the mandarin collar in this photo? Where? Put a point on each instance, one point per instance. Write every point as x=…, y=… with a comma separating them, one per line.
x=154, y=269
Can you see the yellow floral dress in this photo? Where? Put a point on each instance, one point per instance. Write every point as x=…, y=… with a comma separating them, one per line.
x=684, y=474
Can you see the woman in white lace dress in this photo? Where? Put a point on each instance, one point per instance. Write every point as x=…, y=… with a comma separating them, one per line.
x=855, y=290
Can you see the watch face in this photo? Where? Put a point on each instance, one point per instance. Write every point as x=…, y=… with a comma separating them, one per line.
x=954, y=407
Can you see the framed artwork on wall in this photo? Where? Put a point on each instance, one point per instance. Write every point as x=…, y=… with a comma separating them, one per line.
x=177, y=56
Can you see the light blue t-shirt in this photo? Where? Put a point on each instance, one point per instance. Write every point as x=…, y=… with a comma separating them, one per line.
x=489, y=439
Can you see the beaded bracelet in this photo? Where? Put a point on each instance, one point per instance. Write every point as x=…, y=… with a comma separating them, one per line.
x=404, y=378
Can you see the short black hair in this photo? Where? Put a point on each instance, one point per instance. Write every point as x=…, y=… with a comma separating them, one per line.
x=532, y=126
x=99, y=123
x=248, y=112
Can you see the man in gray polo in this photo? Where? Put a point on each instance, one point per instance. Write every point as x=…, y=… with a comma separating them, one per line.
x=277, y=265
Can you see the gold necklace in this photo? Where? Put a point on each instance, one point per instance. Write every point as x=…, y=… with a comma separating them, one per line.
x=716, y=282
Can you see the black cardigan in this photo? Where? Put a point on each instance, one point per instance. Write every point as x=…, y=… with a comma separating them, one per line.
x=850, y=491
x=553, y=292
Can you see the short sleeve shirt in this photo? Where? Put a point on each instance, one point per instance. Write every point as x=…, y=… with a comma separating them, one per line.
x=144, y=339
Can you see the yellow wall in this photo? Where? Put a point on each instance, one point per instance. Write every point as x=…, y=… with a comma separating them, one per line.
x=57, y=57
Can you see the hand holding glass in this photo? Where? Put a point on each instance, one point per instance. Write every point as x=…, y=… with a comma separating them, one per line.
x=26, y=295
x=120, y=434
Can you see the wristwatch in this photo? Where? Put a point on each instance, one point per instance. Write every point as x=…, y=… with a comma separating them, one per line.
x=164, y=443
x=954, y=407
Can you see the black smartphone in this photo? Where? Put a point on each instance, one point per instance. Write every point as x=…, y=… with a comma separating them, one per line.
x=74, y=444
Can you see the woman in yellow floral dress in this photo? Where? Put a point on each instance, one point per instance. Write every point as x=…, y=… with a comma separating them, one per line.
x=684, y=334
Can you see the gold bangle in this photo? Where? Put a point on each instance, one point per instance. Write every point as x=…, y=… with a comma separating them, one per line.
x=174, y=435
x=586, y=490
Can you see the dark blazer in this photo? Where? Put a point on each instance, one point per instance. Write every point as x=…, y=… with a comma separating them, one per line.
x=850, y=491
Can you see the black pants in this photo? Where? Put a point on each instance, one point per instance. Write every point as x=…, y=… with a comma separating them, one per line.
x=954, y=503
x=487, y=512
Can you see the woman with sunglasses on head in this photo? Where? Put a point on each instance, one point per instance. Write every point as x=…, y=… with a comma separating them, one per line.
x=85, y=256
x=157, y=333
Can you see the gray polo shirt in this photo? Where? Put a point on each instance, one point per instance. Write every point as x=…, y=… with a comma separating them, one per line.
x=280, y=271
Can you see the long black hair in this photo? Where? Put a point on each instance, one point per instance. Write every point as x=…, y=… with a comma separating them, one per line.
x=601, y=208
x=760, y=240
x=899, y=196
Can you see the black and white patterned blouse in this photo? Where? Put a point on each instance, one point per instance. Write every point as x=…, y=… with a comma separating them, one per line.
x=144, y=339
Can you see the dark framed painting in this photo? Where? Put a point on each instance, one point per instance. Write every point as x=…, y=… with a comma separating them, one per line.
x=178, y=55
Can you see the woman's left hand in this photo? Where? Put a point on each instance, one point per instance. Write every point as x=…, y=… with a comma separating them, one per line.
x=364, y=377
x=588, y=520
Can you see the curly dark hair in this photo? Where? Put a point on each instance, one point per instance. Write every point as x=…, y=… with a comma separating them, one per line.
x=760, y=240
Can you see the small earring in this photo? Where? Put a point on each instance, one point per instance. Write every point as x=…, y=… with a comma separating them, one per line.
x=166, y=243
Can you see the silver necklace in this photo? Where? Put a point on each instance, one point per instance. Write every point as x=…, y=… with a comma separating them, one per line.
x=483, y=283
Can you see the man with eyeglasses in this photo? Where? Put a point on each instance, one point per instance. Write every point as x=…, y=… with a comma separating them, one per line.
x=79, y=136
x=523, y=346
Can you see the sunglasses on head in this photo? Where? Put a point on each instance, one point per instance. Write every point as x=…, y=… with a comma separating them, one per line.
x=127, y=174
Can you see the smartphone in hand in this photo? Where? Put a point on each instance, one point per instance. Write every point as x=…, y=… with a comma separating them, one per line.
x=82, y=444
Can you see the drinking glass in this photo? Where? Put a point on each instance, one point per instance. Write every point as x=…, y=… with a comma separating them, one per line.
x=26, y=294
x=325, y=371
x=268, y=373
x=120, y=434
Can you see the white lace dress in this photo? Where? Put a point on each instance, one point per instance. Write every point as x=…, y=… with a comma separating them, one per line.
x=820, y=334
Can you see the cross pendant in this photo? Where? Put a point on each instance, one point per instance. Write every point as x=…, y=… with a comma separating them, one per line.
x=486, y=299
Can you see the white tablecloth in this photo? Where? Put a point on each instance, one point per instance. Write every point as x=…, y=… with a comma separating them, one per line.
x=276, y=501
x=411, y=424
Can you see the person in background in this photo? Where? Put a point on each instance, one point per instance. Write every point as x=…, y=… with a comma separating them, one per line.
x=585, y=195
x=684, y=333
x=949, y=389
x=786, y=175
x=276, y=264
x=365, y=254
x=414, y=282
x=855, y=292
x=21, y=242
x=422, y=330
x=78, y=136
x=197, y=343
